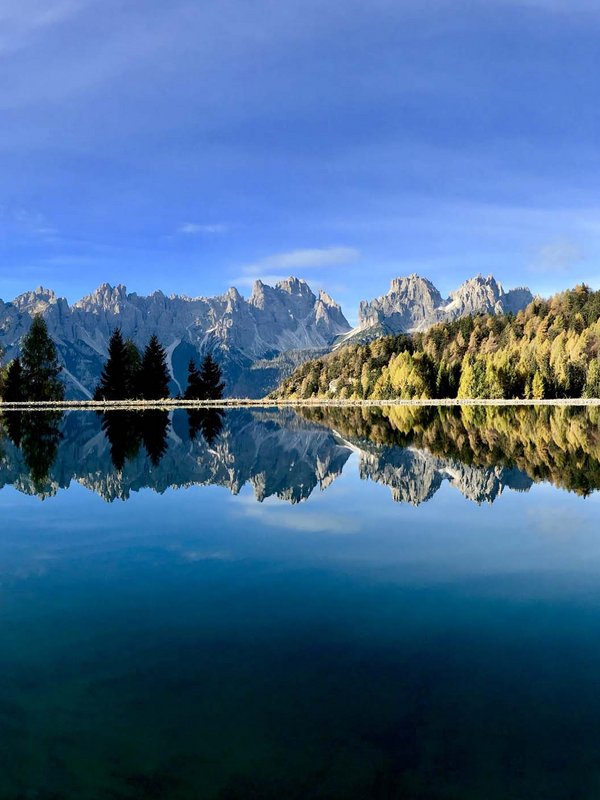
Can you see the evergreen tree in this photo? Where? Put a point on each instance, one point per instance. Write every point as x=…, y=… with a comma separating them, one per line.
x=194, y=389
x=114, y=378
x=39, y=362
x=154, y=374
x=133, y=367
x=210, y=379
x=13, y=391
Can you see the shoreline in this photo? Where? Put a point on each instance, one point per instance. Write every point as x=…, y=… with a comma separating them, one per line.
x=173, y=403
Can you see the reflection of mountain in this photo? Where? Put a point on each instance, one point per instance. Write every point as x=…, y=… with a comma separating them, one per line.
x=414, y=475
x=279, y=454
x=480, y=449
x=411, y=450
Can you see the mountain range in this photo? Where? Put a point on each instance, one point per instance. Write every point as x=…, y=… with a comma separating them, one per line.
x=258, y=340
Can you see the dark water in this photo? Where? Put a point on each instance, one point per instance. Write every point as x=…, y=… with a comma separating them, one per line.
x=396, y=603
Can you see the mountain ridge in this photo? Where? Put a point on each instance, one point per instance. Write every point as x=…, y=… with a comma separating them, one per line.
x=259, y=339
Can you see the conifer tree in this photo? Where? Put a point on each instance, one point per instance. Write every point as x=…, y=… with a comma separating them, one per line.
x=133, y=359
x=114, y=377
x=592, y=384
x=154, y=373
x=13, y=390
x=39, y=362
x=538, y=388
x=210, y=379
x=194, y=389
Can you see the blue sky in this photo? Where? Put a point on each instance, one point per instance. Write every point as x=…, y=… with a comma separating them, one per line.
x=192, y=145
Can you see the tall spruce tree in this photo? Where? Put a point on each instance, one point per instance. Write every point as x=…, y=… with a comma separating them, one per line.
x=194, y=389
x=114, y=378
x=154, y=373
x=39, y=362
x=210, y=379
x=13, y=391
x=133, y=368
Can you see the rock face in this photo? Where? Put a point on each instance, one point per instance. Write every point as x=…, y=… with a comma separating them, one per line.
x=414, y=304
x=256, y=340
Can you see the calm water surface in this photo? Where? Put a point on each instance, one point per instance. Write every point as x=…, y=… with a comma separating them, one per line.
x=382, y=603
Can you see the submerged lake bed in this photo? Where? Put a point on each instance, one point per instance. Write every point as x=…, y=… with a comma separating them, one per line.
x=312, y=603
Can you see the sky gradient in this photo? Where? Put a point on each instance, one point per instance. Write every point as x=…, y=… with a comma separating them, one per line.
x=191, y=146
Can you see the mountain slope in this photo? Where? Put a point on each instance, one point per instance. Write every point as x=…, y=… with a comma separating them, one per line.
x=550, y=349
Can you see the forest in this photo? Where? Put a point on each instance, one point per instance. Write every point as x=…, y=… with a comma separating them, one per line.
x=551, y=349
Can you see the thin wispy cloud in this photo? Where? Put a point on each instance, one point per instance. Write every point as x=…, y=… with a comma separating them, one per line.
x=279, y=266
x=309, y=258
x=201, y=229
x=559, y=256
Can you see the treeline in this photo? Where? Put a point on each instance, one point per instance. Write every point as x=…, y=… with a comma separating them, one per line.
x=35, y=375
x=131, y=375
x=128, y=374
x=551, y=349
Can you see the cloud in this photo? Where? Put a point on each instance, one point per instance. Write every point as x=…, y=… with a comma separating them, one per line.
x=200, y=229
x=305, y=259
x=250, y=280
x=557, y=256
x=279, y=266
x=25, y=222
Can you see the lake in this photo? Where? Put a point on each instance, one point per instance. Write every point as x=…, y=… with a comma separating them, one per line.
x=323, y=603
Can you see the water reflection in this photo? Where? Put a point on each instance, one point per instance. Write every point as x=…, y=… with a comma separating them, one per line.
x=37, y=437
x=479, y=450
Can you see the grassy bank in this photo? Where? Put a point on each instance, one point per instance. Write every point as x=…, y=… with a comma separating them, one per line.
x=171, y=403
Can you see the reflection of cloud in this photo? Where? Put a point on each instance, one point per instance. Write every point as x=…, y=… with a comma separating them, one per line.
x=557, y=256
x=299, y=519
x=562, y=523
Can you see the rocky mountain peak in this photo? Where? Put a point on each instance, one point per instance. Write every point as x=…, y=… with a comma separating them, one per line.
x=35, y=302
x=409, y=300
x=413, y=303
x=296, y=286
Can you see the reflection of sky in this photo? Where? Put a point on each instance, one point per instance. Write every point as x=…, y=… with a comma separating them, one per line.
x=353, y=527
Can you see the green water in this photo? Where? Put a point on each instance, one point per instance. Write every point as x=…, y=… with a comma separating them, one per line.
x=340, y=604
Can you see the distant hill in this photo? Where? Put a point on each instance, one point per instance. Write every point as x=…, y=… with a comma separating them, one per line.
x=550, y=349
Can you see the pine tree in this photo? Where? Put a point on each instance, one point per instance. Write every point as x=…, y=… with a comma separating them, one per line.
x=194, y=389
x=210, y=379
x=133, y=359
x=13, y=391
x=39, y=362
x=154, y=374
x=114, y=379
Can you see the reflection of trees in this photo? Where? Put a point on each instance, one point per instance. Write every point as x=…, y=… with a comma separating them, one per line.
x=126, y=431
x=154, y=428
x=207, y=421
x=121, y=430
x=559, y=444
x=37, y=435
